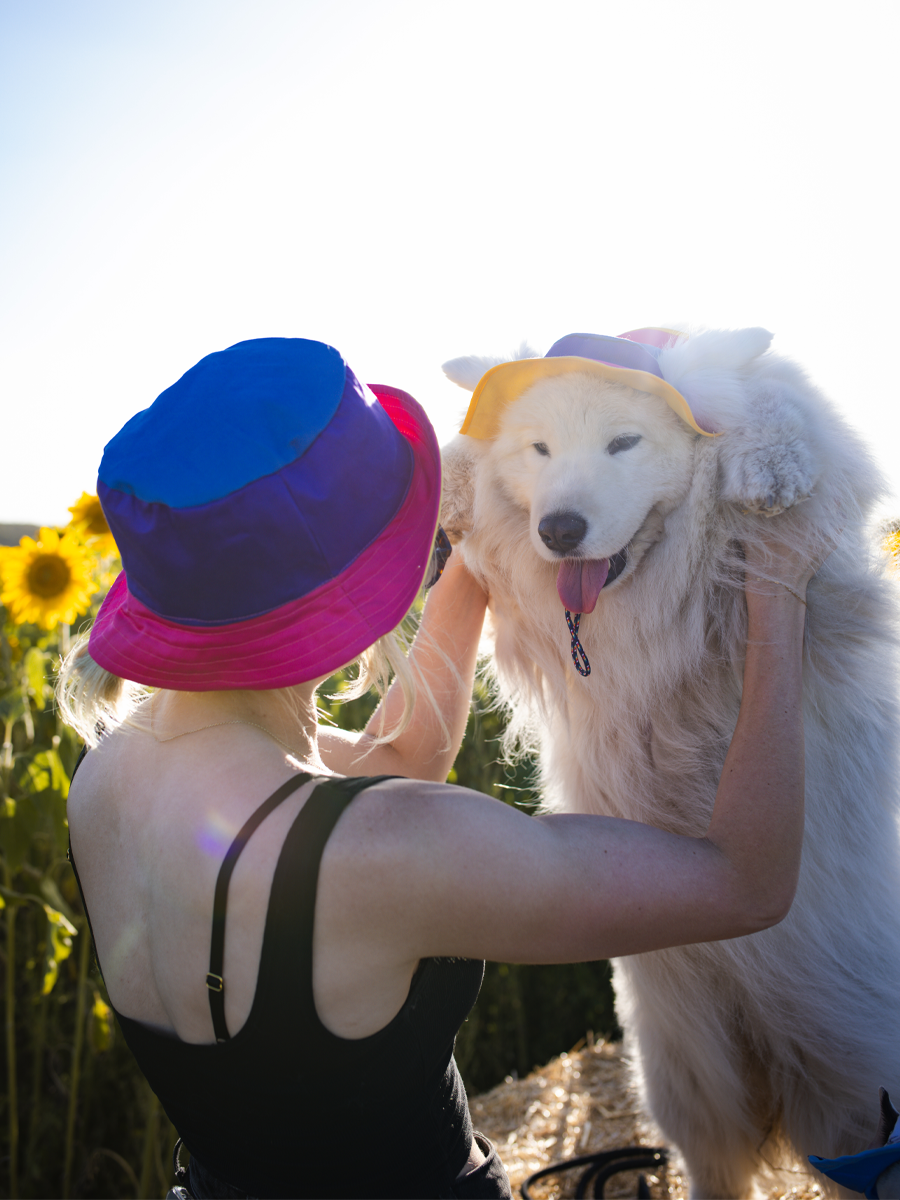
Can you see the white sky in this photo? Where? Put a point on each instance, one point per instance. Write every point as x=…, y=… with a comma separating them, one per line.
x=413, y=180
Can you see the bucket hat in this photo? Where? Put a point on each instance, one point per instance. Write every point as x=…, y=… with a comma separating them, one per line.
x=631, y=359
x=274, y=516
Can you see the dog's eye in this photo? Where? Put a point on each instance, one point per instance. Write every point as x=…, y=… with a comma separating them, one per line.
x=541, y=448
x=625, y=442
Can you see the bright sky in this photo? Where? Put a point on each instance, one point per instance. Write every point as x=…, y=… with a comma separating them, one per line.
x=413, y=180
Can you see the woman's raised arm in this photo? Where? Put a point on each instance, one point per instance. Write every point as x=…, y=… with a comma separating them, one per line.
x=443, y=656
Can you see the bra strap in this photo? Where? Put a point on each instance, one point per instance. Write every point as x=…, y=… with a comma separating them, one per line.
x=214, y=980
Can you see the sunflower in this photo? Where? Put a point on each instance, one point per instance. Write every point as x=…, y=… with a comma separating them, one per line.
x=46, y=581
x=891, y=544
x=88, y=520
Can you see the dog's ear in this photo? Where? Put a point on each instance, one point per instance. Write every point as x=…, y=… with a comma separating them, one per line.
x=466, y=371
x=709, y=369
x=459, y=459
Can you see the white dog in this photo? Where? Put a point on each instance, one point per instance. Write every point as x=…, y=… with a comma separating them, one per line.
x=583, y=487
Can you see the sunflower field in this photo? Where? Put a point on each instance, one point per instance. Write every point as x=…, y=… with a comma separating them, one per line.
x=76, y=1117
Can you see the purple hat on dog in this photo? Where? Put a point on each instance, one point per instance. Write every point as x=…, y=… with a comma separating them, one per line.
x=631, y=358
x=274, y=515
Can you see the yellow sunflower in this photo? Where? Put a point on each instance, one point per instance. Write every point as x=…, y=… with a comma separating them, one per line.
x=46, y=581
x=88, y=520
x=892, y=545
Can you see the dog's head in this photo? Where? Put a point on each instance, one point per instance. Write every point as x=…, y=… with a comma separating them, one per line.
x=590, y=469
x=581, y=471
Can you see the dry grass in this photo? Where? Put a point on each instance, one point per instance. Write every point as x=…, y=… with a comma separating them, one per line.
x=579, y=1103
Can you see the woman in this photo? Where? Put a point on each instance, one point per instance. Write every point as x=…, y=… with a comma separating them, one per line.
x=275, y=520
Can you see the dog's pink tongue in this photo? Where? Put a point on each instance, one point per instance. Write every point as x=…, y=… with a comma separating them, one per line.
x=579, y=582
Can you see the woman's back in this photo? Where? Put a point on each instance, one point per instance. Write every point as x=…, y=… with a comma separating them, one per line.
x=149, y=826
x=282, y=1078
x=150, y=823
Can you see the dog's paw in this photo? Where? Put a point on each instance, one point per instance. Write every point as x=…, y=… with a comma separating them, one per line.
x=770, y=480
x=769, y=463
x=458, y=500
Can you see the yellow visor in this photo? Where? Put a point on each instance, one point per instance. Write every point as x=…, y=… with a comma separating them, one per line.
x=505, y=383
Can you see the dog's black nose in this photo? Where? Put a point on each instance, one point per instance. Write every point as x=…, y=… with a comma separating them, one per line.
x=562, y=531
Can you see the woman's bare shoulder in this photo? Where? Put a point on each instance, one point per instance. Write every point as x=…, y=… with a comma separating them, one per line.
x=133, y=782
x=415, y=805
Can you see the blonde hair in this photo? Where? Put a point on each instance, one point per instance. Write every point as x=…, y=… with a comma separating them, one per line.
x=91, y=699
x=94, y=702
x=390, y=656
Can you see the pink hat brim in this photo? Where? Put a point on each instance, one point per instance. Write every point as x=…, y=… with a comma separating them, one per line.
x=308, y=638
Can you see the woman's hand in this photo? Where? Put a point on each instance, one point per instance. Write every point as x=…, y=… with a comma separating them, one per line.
x=774, y=558
x=443, y=657
x=778, y=557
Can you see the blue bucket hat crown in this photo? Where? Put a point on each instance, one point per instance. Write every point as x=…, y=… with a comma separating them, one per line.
x=256, y=482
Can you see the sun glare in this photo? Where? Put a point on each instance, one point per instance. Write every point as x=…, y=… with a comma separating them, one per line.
x=216, y=835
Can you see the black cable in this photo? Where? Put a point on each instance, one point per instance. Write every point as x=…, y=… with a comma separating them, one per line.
x=602, y=1166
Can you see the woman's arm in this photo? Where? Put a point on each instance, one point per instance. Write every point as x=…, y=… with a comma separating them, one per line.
x=757, y=822
x=488, y=881
x=443, y=656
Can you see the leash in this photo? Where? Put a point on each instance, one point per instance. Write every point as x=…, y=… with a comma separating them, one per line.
x=602, y=1166
x=574, y=624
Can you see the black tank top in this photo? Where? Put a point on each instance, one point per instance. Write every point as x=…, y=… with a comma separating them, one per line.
x=285, y=1107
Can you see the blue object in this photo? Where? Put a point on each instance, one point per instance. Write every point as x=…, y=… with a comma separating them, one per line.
x=275, y=522
x=236, y=416
x=859, y=1171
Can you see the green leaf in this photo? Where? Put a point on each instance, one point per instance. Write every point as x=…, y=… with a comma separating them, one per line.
x=48, y=888
x=60, y=932
x=59, y=779
x=101, y=1027
x=35, y=665
x=12, y=706
x=39, y=816
x=39, y=772
x=17, y=825
x=46, y=771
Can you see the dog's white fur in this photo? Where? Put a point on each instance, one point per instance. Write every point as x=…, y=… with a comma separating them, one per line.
x=754, y=1048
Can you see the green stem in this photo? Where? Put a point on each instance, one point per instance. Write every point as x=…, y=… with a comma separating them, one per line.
x=149, y=1145
x=34, y=1115
x=83, y=963
x=6, y=757
x=11, y=1041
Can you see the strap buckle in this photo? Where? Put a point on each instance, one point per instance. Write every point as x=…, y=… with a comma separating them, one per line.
x=215, y=983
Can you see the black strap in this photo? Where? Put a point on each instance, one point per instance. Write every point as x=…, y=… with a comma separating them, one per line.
x=284, y=988
x=78, y=763
x=602, y=1166
x=214, y=980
